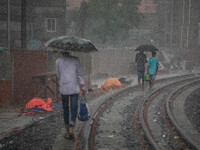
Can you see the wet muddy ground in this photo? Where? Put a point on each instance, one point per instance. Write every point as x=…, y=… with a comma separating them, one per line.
x=120, y=132
x=38, y=136
x=192, y=108
x=42, y=134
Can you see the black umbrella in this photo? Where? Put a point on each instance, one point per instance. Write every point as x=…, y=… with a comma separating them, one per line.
x=70, y=43
x=147, y=48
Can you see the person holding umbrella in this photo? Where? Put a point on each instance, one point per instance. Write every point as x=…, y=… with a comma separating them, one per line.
x=69, y=74
x=71, y=82
x=152, y=68
x=152, y=63
x=140, y=59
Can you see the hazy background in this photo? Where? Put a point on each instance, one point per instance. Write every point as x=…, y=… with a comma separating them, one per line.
x=115, y=27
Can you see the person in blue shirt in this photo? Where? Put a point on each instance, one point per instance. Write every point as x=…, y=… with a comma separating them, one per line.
x=152, y=68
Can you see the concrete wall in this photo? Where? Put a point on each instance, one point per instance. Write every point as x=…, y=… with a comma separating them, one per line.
x=5, y=91
x=112, y=62
x=27, y=63
x=6, y=67
x=101, y=63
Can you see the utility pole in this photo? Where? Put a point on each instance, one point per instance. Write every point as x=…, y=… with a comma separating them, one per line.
x=83, y=17
x=23, y=24
x=182, y=24
x=8, y=27
x=8, y=49
x=67, y=18
x=172, y=18
x=4, y=54
x=188, y=27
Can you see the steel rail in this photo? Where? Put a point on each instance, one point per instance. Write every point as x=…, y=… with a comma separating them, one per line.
x=169, y=104
x=144, y=108
x=99, y=111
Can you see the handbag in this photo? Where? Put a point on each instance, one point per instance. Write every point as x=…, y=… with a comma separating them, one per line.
x=83, y=114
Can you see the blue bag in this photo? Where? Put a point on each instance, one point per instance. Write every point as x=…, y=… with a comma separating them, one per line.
x=83, y=111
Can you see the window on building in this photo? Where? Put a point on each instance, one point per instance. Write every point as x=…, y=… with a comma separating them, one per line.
x=51, y=24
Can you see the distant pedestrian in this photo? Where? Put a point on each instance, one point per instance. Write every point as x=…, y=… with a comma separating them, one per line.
x=152, y=68
x=70, y=76
x=140, y=59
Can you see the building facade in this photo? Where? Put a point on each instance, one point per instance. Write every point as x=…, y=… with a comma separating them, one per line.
x=31, y=22
x=179, y=23
x=74, y=4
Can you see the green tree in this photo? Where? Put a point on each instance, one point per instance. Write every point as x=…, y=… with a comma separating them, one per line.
x=113, y=19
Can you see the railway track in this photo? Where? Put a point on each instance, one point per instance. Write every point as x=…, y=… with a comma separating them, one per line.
x=125, y=119
x=158, y=121
x=133, y=119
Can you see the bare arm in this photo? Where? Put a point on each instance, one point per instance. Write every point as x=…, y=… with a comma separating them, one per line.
x=157, y=67
x=136, y=58
x=80, y=77
x=148, y=69
x=57, y=71
x=145, y=61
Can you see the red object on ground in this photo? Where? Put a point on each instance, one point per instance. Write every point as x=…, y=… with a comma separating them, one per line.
x=40, y=104
x=110, y=84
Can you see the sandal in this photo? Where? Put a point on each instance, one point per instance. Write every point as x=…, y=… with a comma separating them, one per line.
x=67, y=135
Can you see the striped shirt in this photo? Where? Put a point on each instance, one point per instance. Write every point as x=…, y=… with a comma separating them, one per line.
x=140, y=60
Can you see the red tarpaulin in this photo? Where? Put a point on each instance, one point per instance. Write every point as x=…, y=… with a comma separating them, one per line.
x=38, y=105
